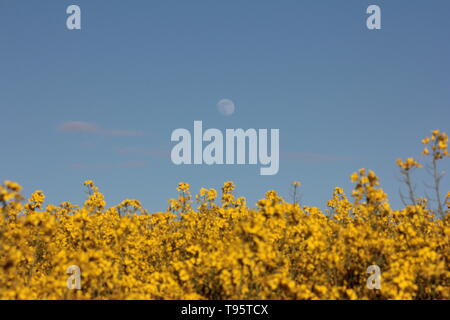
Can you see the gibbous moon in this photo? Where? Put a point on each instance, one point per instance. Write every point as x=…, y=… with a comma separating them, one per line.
x=226, y=107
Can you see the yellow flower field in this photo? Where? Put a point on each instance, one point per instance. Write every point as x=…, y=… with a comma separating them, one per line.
x=200, y=249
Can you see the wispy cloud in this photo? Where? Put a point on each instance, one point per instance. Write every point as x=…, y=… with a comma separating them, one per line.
x=289, y=156
x=316, y=156
x=100, y=166
x=90, y=127
x=144, y=151
x=79, y=126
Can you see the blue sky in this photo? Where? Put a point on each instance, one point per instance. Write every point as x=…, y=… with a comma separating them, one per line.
x=342, y=96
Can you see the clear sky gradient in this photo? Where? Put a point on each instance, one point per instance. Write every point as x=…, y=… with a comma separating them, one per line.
x=342, y=96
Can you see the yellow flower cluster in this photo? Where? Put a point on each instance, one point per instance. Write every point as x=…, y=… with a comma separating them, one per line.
x=408, y=164
x=200, y=249
x=438, y=143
